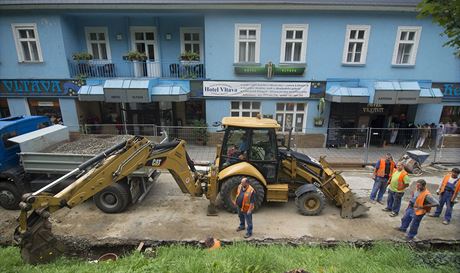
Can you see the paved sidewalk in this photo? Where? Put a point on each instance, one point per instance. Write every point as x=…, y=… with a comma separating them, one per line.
x=343, y=155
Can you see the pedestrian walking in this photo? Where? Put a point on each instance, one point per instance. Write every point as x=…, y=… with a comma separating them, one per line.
x=398, y=182
x=424, y=132
x=419, y=204
x=448, y=191
x=382, y=172
x=245, y=199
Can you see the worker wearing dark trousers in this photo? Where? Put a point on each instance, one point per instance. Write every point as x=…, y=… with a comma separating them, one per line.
x=448, y=191
x=382, y=172
x=419, y=204
x=245, y=199
x=398, y=182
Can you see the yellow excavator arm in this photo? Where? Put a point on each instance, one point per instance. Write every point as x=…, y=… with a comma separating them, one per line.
x=34, y=231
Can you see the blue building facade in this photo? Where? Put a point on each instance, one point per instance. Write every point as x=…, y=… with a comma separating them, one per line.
x=312, y=65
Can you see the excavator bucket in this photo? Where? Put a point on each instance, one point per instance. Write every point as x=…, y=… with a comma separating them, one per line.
x=354, y=208
x=38, y=244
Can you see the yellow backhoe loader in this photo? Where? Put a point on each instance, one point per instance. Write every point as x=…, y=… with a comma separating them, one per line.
x=249, y=149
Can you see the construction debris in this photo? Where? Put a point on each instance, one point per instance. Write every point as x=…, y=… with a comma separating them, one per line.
x=88, y=144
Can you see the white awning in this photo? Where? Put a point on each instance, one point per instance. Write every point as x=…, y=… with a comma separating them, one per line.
x=430, y=95
x=348, y=94
x=91, y=93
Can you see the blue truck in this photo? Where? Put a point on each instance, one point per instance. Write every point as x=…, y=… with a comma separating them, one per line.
x=11, y=173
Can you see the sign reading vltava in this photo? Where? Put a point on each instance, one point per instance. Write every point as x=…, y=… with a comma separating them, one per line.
x=39, y=88
x=257, y=89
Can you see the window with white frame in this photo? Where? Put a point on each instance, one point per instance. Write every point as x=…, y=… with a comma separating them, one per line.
x=27, y=42
x=247, y=43
x=356, y=41
x=191, y=41
x=97, y=41
x=291, y=115
x=405, y=51
x=293, y=43
x=245, y=108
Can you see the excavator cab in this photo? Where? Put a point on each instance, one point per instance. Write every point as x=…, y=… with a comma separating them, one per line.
x=258, y=146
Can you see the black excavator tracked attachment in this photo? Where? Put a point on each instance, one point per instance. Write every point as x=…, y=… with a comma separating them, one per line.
x=38, y=244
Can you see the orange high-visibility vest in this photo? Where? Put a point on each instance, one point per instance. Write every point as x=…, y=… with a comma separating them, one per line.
x=246, y=198
x=444, y=184
x=381, y=170
x=216, y=244
x=418, y=206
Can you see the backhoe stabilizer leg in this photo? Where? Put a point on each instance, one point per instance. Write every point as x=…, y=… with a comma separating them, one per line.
x=354, y=208
x=37, y=243
x=212, y=209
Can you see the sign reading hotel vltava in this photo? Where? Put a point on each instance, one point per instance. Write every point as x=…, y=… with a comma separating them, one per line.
x=257, y=89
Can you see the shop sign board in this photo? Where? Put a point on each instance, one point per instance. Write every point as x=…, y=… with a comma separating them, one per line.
x=372, y=108
x=451, y=91
x=270, y=70
x=256, y=89
x=40, y=88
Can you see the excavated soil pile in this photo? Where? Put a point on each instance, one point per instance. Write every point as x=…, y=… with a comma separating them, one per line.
x=88, y=144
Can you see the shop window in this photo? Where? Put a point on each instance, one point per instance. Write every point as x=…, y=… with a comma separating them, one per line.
x=27, y=42
x=294, y=43
x=247, y=43
x=6, y=143
x=355, y=48
x=245, y=108
x=49, y=108
x=97, y=42
x=451, y=119
x=291, y=115
x=406, y=45
x=4, y=109
x=191, y=41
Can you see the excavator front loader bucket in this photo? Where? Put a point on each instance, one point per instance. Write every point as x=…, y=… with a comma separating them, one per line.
x=354, y=208
x=38, y=244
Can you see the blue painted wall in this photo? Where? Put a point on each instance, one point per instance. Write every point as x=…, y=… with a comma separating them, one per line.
x=69, y=113
x=216, y=109
x=18, y=106
x=54, y=65
x=428, y=113
x=326, y=35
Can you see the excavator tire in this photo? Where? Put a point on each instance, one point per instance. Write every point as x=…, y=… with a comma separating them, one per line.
x=9, y=196
x=310, y=203
x=229, y=188
x=113, y=199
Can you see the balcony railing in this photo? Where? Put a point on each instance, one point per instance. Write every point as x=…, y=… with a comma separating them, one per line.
x=137, y=69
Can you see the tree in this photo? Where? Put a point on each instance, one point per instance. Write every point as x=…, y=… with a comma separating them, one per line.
x=445, y=13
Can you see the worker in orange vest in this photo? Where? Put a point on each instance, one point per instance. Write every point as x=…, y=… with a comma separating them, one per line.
x=398, y=182
x=382, y=172
x=448, y=191
x=245, y=199
x=419, y=204
x=212, y=243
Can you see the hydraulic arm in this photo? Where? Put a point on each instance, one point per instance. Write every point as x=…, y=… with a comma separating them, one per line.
x=34, y=235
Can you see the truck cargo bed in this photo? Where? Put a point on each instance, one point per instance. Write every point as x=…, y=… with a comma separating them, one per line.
x=66, y=156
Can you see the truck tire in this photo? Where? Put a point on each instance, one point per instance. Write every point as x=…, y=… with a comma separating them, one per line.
x=113, y=199
x=229, y=188
x=9, y=196
x=310, y=203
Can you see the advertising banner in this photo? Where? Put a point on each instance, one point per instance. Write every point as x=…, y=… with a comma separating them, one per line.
x=256, y=89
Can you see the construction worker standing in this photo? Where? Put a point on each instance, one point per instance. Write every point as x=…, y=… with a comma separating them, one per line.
x=398, y=182
x=245, y=199
x=419, y=204
x=382, y=172
x=448, y=191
